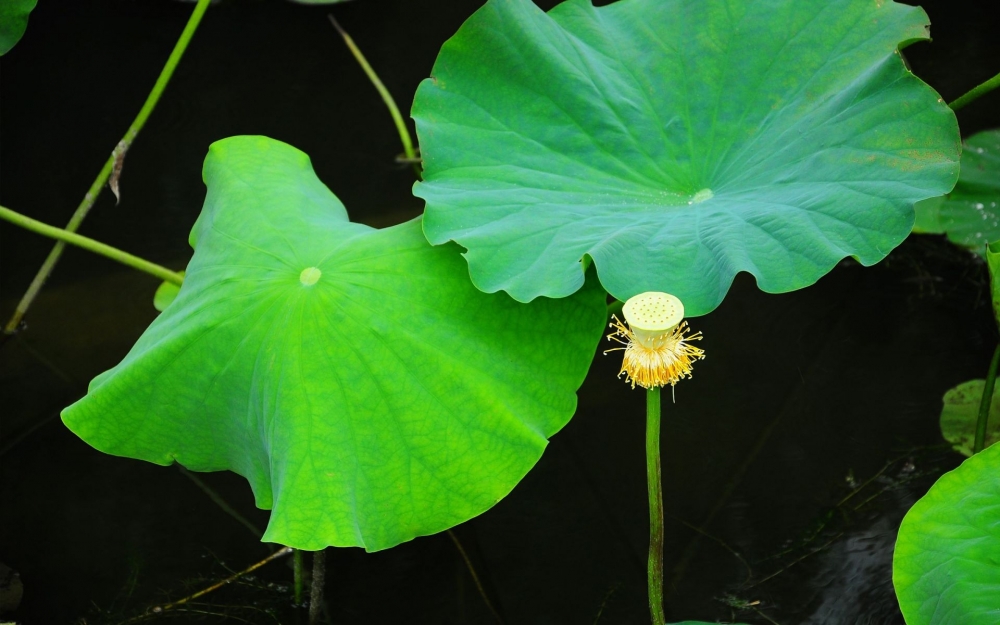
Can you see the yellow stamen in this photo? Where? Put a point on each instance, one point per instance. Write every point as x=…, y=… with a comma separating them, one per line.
x=657, y=349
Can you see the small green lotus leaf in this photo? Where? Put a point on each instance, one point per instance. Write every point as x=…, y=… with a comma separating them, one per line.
x=961, y=412
x=678, y=142
x=946, y=566
x=356, y=378
x=13, y=22
x=993, y=262
x=165, y=294
x=970, y=214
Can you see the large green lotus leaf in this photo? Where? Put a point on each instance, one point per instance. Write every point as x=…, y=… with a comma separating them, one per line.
x=678, y=142
x=354, y=376
x=961, y=412
x=13, y=21
x=970, y=214
x=946, y=566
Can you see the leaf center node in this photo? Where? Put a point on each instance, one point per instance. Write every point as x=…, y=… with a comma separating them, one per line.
x=701, y=196
x=309, y=276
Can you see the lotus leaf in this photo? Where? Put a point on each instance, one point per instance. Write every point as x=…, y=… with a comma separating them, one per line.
x=678, y=142
x=356, y=378
x=960, y=413
x=946, y=566
x=970, y=214
x=993, y=264
x=13, y=22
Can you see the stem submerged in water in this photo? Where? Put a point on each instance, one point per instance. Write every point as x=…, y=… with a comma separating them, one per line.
x=655, y=488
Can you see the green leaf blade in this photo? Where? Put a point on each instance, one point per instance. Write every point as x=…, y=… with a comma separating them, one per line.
x=970, y=213
x=13, y=22
x=960, y=414
x=677, y=143
x=946, y=565
x=384, y=400
x=993, y=264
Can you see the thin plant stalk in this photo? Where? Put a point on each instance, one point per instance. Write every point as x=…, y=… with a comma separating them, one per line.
x=66, y=236
x=987, y=401
x=975, y=93
x=475, y=576
x=390, y=103
x=655, y=488
x=318, y=582
x=297, y=571
x=112, y=165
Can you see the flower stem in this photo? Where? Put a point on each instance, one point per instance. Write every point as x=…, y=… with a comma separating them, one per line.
x=984, y=406
x=113, y=162
x=655, y=488
x=975, y=93
x=65, y=236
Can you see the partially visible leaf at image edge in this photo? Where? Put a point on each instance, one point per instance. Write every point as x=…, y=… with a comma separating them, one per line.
x=946, y=564
x=13, y=22
x=368, y=392
x=993, y=264
x=678, y=142
x=970, y=213
x=960, y=413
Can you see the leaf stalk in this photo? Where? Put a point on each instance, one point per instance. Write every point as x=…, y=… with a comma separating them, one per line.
x=390, y=103
x=975, y=93
x=113, y=163
x=982, y=422
x=66, y=236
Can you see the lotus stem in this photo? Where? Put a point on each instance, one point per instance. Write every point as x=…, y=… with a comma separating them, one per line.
x=655, y=488
x=986, y=403
x=318, y=583
x=65, y=236
x=390, y=103
x=975, y=93
x=113, y=164
x=297, y=574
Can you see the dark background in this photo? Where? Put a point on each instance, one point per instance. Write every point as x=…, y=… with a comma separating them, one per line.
x=801, y=397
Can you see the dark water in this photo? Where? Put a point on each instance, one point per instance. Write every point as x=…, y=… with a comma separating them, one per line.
x=788, y=460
